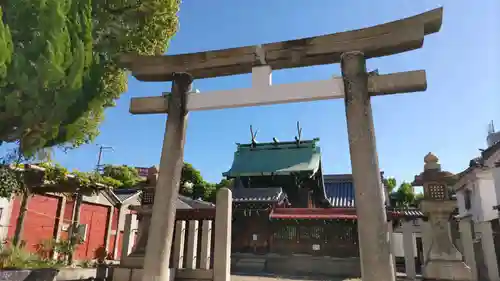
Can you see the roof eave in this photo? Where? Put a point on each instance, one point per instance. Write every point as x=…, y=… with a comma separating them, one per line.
x=277, y=173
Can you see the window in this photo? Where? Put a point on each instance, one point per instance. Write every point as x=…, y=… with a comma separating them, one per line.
x=1, y=213
x=317, y=232
x=286, y=233
x=304, y=232
x=467, y=199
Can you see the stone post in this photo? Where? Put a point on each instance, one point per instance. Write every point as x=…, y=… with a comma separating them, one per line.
x=444, y=261
x=409, y=249
x=222, y=243
x=374, y=241
x=109, y=226
x=425, y=234
x=390, y=231
x=119, y=209
x=466, y=237
x=159, y=243
x=488, y=246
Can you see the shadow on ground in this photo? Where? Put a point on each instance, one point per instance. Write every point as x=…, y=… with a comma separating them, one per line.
x=276, y=277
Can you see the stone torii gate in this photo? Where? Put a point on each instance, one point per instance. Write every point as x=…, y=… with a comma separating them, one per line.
x=356, y=86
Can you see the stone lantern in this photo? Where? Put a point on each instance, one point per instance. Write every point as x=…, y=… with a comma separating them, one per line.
x=144, y=212
x=442, y=259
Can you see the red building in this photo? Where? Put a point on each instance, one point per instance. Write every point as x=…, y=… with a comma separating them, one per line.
x=101, y=218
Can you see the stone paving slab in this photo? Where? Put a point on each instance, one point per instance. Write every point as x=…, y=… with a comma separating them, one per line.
x=286, y=278
x=236, y=277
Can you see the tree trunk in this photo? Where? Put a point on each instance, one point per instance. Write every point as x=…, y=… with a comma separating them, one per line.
x=16, y=241
x=74, y=227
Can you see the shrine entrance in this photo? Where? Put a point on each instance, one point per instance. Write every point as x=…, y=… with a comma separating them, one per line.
x=357, y=86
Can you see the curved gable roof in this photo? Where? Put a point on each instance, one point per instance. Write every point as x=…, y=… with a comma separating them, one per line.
x=281, y=158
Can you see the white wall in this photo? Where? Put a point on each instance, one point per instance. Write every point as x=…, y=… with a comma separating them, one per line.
x=131, y=202
x=483, y=197
x=496, y=177
x=397, y=244
x=461, y=203
x=485, y=188
x=6, y=206
x=99, y=198
x=476, y=208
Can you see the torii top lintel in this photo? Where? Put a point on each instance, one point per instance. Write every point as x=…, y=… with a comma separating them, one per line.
x=377, y=41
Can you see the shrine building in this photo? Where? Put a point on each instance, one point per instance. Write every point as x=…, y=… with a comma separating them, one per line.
x=284, y=204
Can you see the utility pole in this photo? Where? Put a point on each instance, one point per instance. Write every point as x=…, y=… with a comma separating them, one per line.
x=102, y=148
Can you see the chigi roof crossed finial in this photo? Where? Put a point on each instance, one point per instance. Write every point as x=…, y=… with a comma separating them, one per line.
x=275, y=158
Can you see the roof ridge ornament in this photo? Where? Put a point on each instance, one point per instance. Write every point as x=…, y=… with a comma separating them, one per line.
x=299, y=133
x=254, y=136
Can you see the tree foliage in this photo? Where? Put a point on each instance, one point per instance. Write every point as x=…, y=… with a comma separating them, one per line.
x=194, y=186
x=12, y=182
x=404, y=195
x=58, y=64
x=390, y=184
x=121, y=176
x=191, y=175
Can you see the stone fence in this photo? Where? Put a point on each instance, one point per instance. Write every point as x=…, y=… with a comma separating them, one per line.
x=201, y=247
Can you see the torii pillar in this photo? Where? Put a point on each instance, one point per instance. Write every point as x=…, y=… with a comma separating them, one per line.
x=159, y=244
x=374, y=236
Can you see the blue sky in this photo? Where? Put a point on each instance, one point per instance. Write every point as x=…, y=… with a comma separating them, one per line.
x=449, y=119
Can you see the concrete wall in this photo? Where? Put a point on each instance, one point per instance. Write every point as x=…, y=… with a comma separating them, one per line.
x=298, y=265
x=5, y=213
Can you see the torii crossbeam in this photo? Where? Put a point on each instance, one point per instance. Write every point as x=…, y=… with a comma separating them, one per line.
x=356, y=86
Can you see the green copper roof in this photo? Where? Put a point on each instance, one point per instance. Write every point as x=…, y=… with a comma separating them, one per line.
x=281, y=158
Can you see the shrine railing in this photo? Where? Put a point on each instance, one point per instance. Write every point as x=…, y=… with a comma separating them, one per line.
x=202, y=241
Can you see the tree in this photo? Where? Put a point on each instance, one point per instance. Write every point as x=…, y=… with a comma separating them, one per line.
x=125, y=176
x=190, y=175
x=418, y=198
x=62, y=64
x=390, y=184
x=405, y=195
x=225, y=183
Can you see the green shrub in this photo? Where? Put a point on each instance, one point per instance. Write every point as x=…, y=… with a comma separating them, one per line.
x=12, y=257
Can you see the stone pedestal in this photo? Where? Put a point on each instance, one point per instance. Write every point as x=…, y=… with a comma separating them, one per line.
x=444, y=261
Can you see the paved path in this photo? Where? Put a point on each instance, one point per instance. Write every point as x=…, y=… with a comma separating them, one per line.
x=284, y=278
